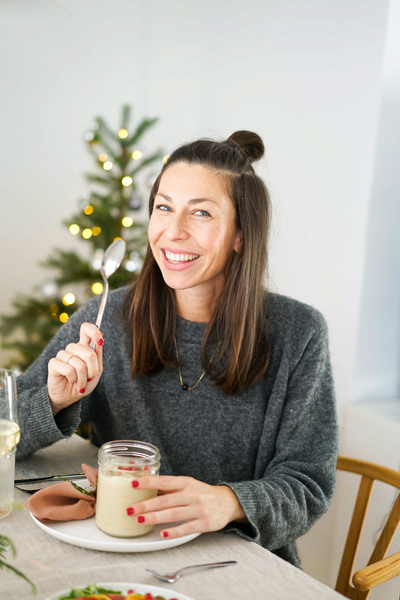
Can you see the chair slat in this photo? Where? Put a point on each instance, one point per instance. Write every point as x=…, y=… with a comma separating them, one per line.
x=353, y=537
x=387, y=534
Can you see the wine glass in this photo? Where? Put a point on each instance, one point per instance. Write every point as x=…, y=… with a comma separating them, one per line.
x=9, y=438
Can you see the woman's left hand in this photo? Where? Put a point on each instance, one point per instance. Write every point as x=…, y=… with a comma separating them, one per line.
x=205, y=507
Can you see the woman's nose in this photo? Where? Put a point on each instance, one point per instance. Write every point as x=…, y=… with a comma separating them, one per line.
x=177, y=228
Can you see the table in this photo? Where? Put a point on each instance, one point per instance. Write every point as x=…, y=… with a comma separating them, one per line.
x=54, y=565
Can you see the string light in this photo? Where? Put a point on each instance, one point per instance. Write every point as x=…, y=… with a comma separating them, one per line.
x=54, y=308
x=136, y=155
x=107, y=166
x=165, y=159
x=49, y=289
x=96, y=230
x=127, y=222
x=117, y=238
x=97, y=288
x=103, y=157
x=63, y=317
x=87, y=233
x=122, y=133
x=89, y=136
x=54, y=316
x=127, y=181
x=88, y=209
x=68, y=299
x=74, y=229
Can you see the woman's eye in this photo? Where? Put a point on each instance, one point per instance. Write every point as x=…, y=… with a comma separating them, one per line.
x=163, y=207
x=204, y=213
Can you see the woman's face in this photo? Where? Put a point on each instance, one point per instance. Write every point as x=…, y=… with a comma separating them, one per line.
x=192, y=230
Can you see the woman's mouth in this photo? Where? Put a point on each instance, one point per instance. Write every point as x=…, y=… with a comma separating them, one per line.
x=178, y=259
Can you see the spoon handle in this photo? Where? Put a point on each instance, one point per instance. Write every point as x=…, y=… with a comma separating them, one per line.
x=208, y=566
x=101, y=312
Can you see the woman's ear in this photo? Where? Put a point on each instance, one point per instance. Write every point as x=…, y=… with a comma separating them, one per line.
x=238, y=241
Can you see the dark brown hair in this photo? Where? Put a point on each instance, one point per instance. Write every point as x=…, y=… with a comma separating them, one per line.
x=238, y=319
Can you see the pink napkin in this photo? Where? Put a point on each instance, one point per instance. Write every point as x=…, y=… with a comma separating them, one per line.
x=62, y=502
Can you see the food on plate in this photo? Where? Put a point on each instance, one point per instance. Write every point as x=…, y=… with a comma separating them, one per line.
x=121, y=464
x=114, y=494
x=93, y=592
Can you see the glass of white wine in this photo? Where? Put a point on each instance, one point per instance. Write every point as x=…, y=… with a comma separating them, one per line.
x=9, y=438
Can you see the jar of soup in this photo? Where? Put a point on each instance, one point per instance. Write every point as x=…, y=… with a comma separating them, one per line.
x=120, y=462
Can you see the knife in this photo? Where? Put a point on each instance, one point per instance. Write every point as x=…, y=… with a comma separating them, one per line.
x=51, y=478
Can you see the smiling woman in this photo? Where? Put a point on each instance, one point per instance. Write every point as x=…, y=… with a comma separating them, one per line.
x=208, y=236
x=230, y=382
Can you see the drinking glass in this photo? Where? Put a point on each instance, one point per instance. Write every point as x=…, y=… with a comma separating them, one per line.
x=9, y=438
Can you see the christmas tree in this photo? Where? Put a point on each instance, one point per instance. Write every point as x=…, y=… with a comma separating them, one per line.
x=105, y=215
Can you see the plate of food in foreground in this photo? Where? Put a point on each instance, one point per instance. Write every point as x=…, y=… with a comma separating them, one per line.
x=120, y=591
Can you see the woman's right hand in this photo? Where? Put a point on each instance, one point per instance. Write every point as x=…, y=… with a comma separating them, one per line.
x=75, y=371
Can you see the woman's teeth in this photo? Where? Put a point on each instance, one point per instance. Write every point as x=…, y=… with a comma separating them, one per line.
x=175, y=259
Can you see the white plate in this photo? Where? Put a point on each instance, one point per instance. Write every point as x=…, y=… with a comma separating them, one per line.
x=86, y=534
x=141, y=588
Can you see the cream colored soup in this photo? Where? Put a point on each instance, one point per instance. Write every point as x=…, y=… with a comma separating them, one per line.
x=114, y=495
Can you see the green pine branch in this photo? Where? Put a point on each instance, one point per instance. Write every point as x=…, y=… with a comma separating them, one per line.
x=5, y=545
x=140, y=131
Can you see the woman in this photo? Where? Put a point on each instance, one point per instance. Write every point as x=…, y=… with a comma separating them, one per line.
x=231, y=383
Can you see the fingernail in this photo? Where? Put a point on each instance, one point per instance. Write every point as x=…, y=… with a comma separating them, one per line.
x=130, y=511
x=135, y=483
x=165, y=534
x=82, y=391
x=89, y=380
x=140, y=519
x=100, y=342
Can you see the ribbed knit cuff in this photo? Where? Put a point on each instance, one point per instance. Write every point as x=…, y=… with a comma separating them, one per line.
x=39, y=427
x=248, y=531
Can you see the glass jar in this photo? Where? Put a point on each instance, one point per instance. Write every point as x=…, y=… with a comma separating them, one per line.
x=120, y=462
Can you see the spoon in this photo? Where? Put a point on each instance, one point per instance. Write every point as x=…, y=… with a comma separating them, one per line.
x=172, y=577
x=112, y=258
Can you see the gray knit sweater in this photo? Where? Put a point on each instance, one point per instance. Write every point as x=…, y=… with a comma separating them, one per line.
x=274, y=445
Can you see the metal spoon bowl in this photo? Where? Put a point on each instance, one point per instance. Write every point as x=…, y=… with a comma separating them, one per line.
x=112, y=259
x=172, y=577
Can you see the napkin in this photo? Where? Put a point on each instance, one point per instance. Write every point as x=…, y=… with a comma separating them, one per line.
x=63, y=502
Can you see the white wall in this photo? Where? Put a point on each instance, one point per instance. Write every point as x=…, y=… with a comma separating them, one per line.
x=305, y=75
x=377, y=369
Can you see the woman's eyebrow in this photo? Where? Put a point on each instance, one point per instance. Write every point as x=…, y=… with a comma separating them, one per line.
x=193, y=201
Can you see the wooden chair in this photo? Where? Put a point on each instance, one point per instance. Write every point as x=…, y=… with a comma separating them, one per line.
x=379, y=569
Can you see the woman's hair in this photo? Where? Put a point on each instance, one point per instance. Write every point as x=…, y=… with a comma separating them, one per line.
x=238, y=319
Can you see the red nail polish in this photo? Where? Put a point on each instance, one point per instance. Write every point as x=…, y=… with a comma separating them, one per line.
x=135, y=483
x=82, y=391
x=140, y=519
x=130, y=511
x=165, y=534
x=89, y=380
x=100, y=342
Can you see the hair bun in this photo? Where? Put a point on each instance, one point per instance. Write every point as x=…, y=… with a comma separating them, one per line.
x=250, y=144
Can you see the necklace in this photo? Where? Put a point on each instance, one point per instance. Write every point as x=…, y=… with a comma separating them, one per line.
x=185, y=386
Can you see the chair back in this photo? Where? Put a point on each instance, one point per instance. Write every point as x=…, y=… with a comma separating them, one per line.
x=369, y=474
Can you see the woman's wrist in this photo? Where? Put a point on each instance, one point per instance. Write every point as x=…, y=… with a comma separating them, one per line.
x=237, y=512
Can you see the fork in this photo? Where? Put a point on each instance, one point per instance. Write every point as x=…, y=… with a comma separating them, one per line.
x=172, y=577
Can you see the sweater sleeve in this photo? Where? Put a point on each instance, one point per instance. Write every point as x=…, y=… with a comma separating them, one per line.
x=297, y=485
x=38, y=426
